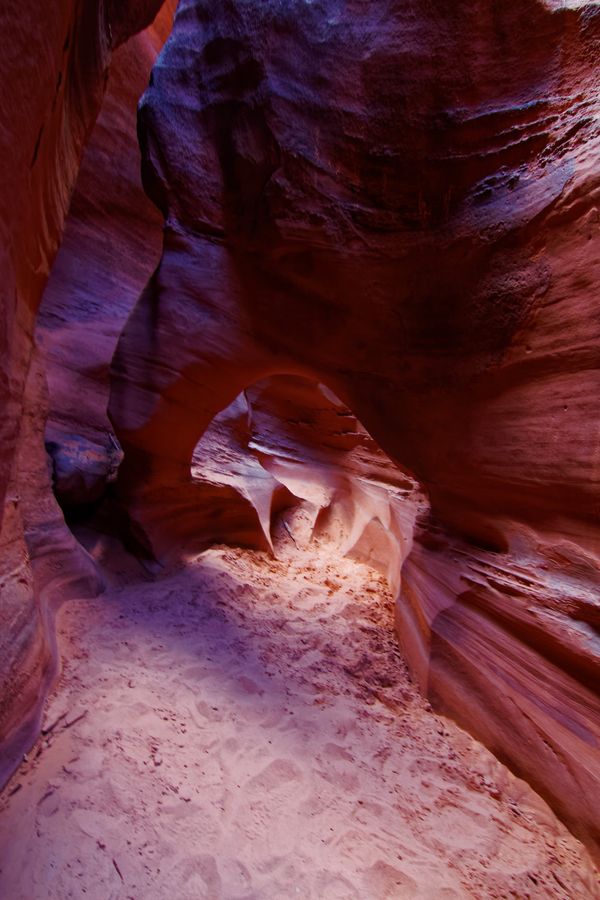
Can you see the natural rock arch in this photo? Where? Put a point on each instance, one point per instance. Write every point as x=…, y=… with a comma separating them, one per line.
x=398, y=201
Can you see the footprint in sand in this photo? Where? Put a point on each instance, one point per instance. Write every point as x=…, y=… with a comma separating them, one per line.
x=275, y=775
x=236, y=878
x=457, y=828
x=49, y=804
x=208, y=712
x=335, y=887
x=384, y=882
x=339, y=768
x=195, y=673
x=248, y=686
x=200, y=878
x=335, y=751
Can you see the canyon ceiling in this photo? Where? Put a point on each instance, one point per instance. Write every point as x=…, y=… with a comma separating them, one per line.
x=372, y=254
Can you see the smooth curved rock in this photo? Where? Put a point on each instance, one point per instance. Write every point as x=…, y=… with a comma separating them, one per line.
x=110, y=247
x=289, y=442
x=400, y=202
x=52, y=79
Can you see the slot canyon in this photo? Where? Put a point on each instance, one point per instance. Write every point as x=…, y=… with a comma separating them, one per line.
x=300, y=449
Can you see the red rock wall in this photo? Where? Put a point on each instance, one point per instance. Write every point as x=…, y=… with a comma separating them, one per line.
x=399, y=201
x=111, y=245
x=52, y=76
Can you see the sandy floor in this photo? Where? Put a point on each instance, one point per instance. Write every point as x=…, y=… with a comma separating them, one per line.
x=245, y=728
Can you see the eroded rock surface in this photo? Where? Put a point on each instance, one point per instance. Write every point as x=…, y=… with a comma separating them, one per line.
x=52, y=77
x=399, y=202
x=111, y=246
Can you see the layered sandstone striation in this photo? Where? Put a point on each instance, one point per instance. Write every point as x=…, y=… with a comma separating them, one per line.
x=386, y=215
x=288, y=441
x=110, y=247
x=52, y=71
x=399, y=203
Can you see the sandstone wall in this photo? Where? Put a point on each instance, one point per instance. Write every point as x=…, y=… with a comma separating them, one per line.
x=52, y=76
x=110, y=247
x=398, y=201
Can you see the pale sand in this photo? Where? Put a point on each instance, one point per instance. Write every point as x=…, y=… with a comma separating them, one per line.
x=249, y=731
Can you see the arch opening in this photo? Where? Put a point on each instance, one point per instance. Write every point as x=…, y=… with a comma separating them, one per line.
x=305, y=463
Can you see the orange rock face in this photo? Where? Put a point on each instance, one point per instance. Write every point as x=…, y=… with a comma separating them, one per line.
x=53, y=70
x=400, y=203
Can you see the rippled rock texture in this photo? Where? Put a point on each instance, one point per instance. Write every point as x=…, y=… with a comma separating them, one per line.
x=110, y=247
x=52, y=76
x=399, y=201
